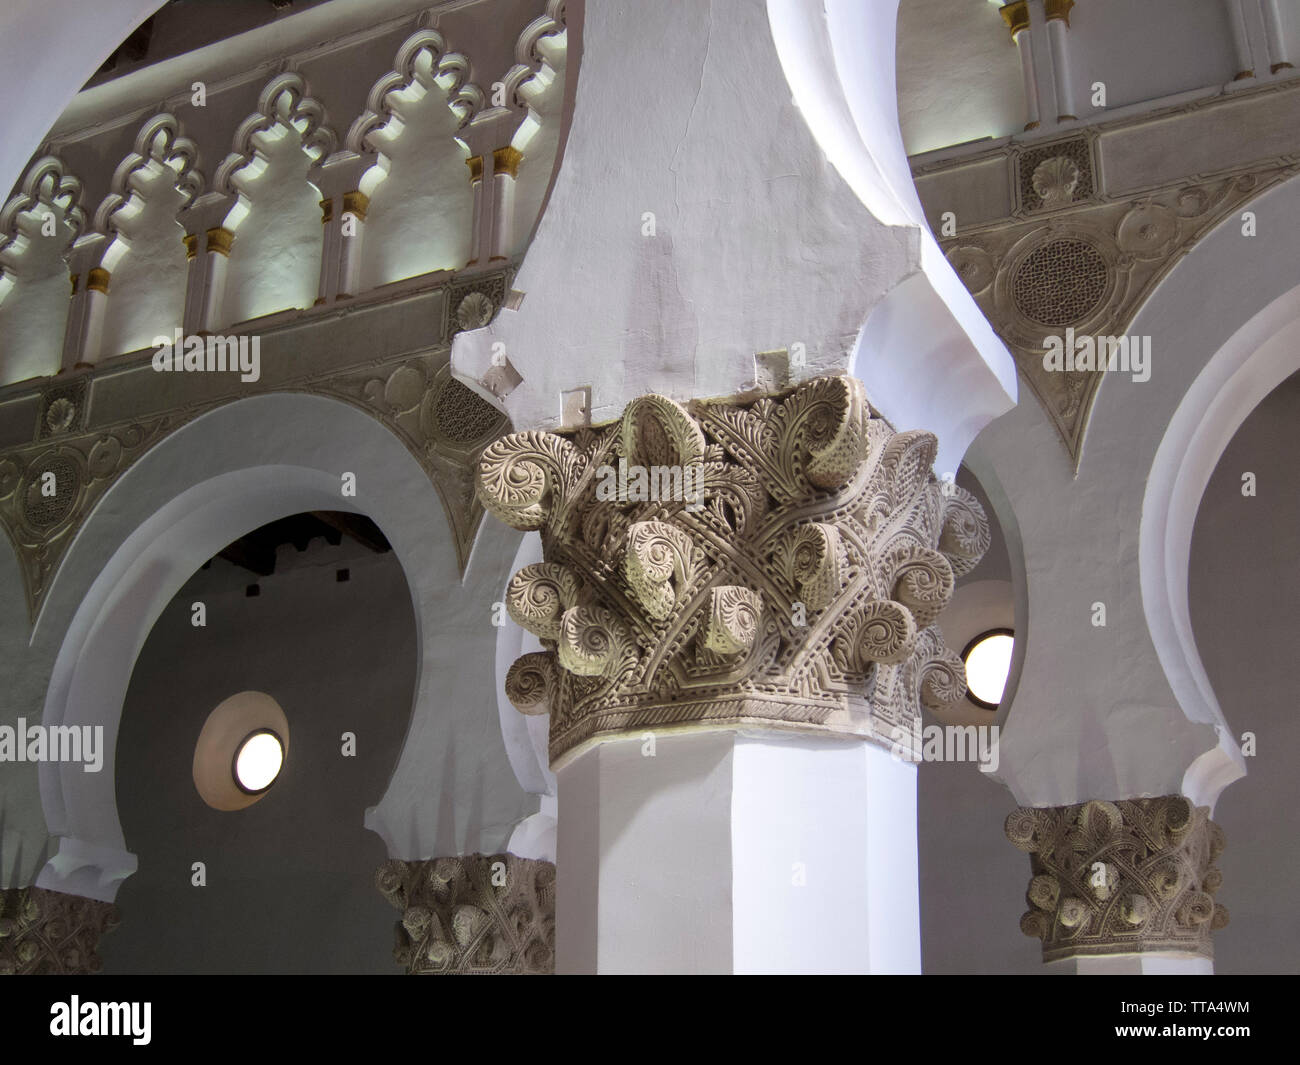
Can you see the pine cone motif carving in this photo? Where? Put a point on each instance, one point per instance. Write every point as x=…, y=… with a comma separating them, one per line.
x=1121, y=877
x=490, y=914
x=799, y=588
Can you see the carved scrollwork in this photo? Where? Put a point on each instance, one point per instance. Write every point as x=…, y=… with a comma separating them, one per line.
x=793, y=590
x=811, y=561
x=922, y=580
x=1121, y=877
x=538, y=595
x=521, y=475
x=659, y=565
x=965, y=535
x=734, y=615
x=480, y=913
x=45, y=932
x=532, y=682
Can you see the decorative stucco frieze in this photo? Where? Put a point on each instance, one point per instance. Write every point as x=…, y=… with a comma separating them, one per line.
x=46, y=932
x=444, y=424
x=1125, y=877
x=797, y=588
x=1089, y=224
x=476, y=914
x=1088, y=270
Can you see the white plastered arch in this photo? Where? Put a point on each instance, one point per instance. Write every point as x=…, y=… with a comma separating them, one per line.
x=229, y=471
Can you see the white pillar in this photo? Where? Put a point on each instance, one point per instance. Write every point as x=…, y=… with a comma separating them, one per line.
x=1016, y=16
x=216, y=249
x=85, y=253
x=343, y=212
x=505, y=170
x=1058, y=26
x=351, y=232
x=1153, y=964
x=1240, y=39
x=92, y=334
x=1279, y=58
x=727, y=852
x=476, y=240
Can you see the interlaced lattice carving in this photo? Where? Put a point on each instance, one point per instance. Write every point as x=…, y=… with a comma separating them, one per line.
x=461, y=416
x=478, y=913
x=799, y=589
x=1121, y=877
x=1060, y=283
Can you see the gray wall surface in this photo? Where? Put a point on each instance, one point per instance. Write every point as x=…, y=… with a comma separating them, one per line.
x=289, y=879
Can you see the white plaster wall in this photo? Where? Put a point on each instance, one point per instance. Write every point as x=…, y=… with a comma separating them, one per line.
x=34, y=305
x=297, y=863
x=1148, y=50
x=43, y=65
x=959, y=74
x=275, y=259
x=420, y=214
x=705, y=137
x=539, y=138
x=146, y=295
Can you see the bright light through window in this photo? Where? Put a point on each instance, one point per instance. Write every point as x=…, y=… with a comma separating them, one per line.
x=258, y=761
x=988, y=660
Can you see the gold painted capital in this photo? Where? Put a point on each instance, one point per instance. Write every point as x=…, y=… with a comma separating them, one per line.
x=191, y=242
x=1055, y=9
x=475, y=164
x=1016, y=16
x=74, y=279
x=356, y=203
x=220, y=240
x=97, y=280
x=506, y=161
x=1126, y=877
x=779, y=563
x=326, y=211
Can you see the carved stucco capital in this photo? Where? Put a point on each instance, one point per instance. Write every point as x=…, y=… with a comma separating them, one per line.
x=1126, y=877
x=44, y=932
x=793, y=582
x=479, y=913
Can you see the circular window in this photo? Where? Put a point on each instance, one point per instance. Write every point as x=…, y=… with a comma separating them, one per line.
x=241, y=751
x=257, y=761
x=988, y=661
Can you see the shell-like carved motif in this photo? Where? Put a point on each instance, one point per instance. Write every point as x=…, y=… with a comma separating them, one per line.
x=734, y=613
x=659, y=564
x=522, y=475
x=531, y=682
x=538, y=595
